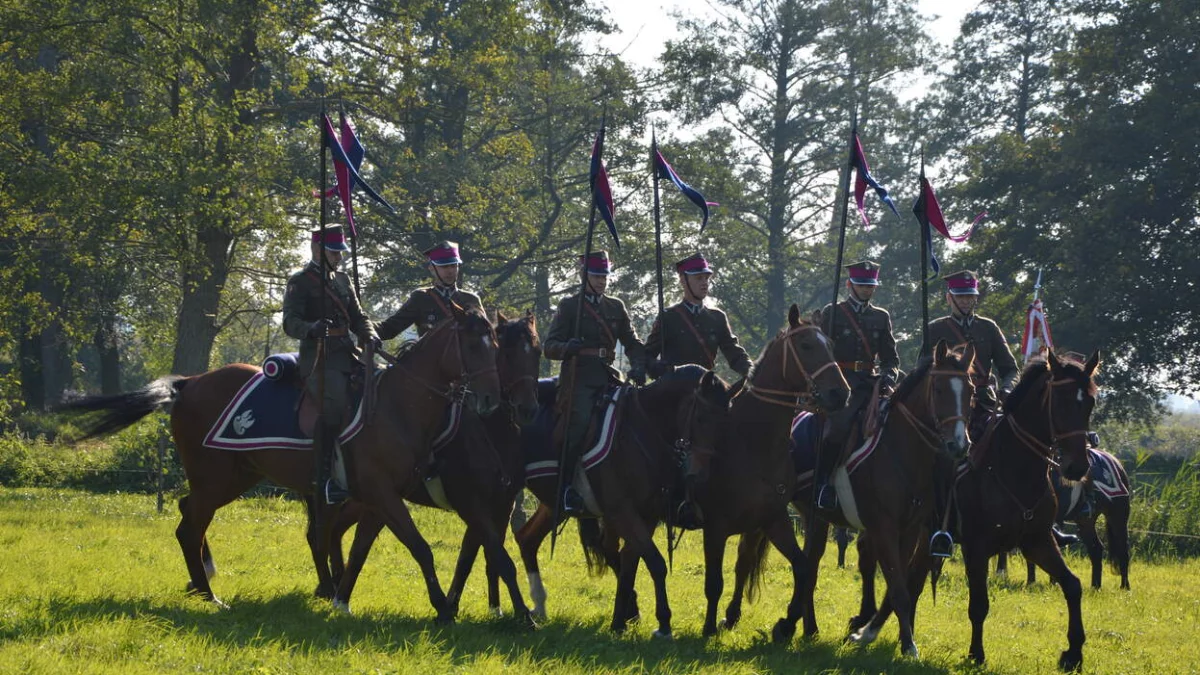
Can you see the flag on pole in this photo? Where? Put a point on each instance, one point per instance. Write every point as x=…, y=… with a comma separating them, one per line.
x=348, y=154
x=1037, y=331
x=863, y=178
x=929, y=214
x=601, y=192
x=665, y=170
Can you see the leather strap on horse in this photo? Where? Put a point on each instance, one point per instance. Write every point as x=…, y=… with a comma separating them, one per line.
x=612, y=340
x=687, y=321
x=857, y=329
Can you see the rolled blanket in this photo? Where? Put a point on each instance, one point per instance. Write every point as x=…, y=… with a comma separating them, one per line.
x=281, y=366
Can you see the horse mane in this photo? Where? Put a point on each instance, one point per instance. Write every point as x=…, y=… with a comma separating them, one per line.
x=1032, y=373
x=909, y=383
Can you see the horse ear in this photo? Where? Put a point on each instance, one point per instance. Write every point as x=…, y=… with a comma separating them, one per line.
x=500, y=318
x=1092, y=364
x=940, y=351
x=530, y=317
x=1053, y=361
x=794, y=316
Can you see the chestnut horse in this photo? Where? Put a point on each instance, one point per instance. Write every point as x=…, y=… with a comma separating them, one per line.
x=482, y=469
x=383, y=458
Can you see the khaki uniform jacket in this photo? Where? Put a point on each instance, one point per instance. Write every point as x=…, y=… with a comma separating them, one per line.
x=425, y=309
x=593, y=371
x=302, y=305
x=991, y=349
x=674, y=341
x=879, y=348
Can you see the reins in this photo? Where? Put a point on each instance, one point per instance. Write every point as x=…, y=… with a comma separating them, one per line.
x=785, y=398
x=456, y=390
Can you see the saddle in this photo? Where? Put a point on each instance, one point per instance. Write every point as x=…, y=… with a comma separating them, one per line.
x=608, y=413
x=308, y=407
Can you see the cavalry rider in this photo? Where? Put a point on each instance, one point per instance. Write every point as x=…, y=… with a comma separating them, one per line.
x=603, y=322
x=322, y=320
x=865, y=350
x=427, y=307
x=690, y=332
x=963, y=326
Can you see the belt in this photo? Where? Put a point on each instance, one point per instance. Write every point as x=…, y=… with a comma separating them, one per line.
x=337, y=332
x=598, y=351
x=856, y=366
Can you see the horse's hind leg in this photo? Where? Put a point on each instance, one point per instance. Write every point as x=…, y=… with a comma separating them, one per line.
x=867, y=606
x=748, y=554
x=365, y=534
x=467, y=553
x=196, y=513
x=529, y=539
x=894, y=553
x=1044, y=552
x=784, y=538
x=1116, y=526
x=400, y=522
x=500, y=564
x=1095, y=549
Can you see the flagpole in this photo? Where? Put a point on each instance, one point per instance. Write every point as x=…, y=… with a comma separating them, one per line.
x=923, y=232
x=657, y=217
x=583, y=287
x=320, y=435
x=837, y=268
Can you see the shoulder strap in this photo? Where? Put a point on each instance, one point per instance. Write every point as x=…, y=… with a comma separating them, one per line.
x=962, y=337
x=687, y=321
x=338, y=304
x=858, y=329
x=446, y=314
x=612, y=340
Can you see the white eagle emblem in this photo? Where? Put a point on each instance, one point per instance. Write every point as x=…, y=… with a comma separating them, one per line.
x=243, y=422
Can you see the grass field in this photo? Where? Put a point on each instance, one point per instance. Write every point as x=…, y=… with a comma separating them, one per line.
x=94, y=583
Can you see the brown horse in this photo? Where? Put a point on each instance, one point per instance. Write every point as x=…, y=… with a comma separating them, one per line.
x=482, y=469
x=1005, y=499
x=893, y=492
x=383, y=458
x=685, y=408
x=751, y=478
x=1115, y=509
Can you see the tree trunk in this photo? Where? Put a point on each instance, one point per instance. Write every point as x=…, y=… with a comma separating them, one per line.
x=203, y=282
x=105, y=341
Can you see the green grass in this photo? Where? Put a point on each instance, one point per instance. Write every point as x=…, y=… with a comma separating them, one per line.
x=94, y=583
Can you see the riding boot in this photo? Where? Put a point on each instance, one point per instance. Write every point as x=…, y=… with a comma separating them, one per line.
x=334, y=492
x=941, y=544
x=572, y=501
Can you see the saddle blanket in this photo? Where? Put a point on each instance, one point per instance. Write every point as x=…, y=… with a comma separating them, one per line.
x=1106, y=475
x=806, y=439
x=541, y=456
x=262, y=416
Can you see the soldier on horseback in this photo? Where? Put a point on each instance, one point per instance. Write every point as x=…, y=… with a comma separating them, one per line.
x=427, y=307
x=587, y=361
x=865, y=350
x=991, y=350
x=322, y=315
x=690, y=332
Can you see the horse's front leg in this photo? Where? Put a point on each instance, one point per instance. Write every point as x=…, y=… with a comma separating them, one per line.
x=782, y=535
x=529, y=539
x=1045, y=554
x=867, y=606
x=365, y=534
x=714, y=580
x=976, y=563
x=399, y=521
x=816, y=536
x=467, y=553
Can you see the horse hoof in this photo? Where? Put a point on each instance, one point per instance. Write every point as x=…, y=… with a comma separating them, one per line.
x=528, y=621
x=324, y=592
x=709, y=631
x=218, y=603
x=977, y=657
x=342, y=606
x=911, y=651
x=444, y=620
x=857, y=622
x=661, y=635
x=783, y=631
x=1069, y=663
x=496, y=612
x=864, y=636
x=729, y=622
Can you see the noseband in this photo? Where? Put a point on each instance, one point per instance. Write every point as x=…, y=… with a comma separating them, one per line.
x=1041, y=449
x=930, y=435
x=785, y=398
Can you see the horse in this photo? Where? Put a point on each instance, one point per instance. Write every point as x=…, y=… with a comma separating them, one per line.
x=685, y=408
x=482, y=472
x=1114, y=506
x=382, y=458
x=750, y=479
x=1004, y=496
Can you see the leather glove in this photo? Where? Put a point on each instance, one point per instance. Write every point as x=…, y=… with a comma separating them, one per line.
x=376, y=343
x=317, y=328
x=1003, y=396
x=638, y=375
x=657, y=368
x=573, y=347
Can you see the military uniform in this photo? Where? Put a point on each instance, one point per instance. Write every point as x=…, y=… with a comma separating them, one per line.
x=603, y=322
x=865, y=349
x=688, y=333
x=428, y=307
x=303, y=304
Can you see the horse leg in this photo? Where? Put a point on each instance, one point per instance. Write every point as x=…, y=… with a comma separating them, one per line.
x=529, y=539
x=210, y=567
x=321, y=544
x=893, y=554
x=639, y=543
x=347, y=516
x=610, y=542
x=866, y=571
x=500, y=564
x=1030, y=572
x=842, y=536
x=196, y=513
x=365, y=534
x=625, y=579
x=748, y=555
x=714, y=580
x=1095, y=549
x=1002, y=564
x=783, y=537
x=467, y=553
x=1044, y=552
x=816, y=536
x=400, y=522
x=1116, y=526
x=978, y=605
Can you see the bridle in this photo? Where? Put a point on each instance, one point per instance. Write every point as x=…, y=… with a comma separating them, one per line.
x=457, y=390
x=786, y=398
x=931, y=435
x=1044, y=451
x=685, y=445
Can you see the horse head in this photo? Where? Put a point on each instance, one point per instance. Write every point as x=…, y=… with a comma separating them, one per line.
x=517, y=364
x=1072, y=396
x=808, y=363
x=470, y=355
x=949, y=394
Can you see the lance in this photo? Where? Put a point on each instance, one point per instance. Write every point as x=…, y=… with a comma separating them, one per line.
x=837, y=268
x=1037, y=285
x=926, y=241
x=321, y=436
x=662, y=333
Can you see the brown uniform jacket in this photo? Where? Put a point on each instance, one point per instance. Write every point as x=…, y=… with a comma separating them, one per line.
x=861, y=338
x=426, y=308
x=991, y=349
x=593, y=371
x=680, y=336
x=302, y=305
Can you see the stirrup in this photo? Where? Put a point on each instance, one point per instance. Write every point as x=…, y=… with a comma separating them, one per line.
x=335, y=494
x=688, y=516
x=941, y=544
x=1062, y=538
x=572, y=502
x=827, y=499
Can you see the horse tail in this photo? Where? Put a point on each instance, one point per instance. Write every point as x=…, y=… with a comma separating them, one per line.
x=1116, y=527
x=935, y=573
x=758, y=555
x=118, y=411
x=592, y=540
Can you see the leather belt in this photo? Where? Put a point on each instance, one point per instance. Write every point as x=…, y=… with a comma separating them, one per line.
x=597, y=351
x=856, y=366
x=337, y=332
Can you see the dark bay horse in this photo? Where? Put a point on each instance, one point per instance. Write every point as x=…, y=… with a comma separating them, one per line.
x=685, y=408
x=1114, y=507
x=893, y=491
x=482, y=469
x=1005, y=499
x=383, y=458
x=751, y=477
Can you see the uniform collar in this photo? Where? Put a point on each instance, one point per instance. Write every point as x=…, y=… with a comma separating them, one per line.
x=857, y=305
x=446, y=291
x=316, y=267
x=694, y=309
x=592, y=298
x=964, y=321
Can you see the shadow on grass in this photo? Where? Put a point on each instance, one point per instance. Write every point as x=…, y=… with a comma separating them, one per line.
x=297, y=621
